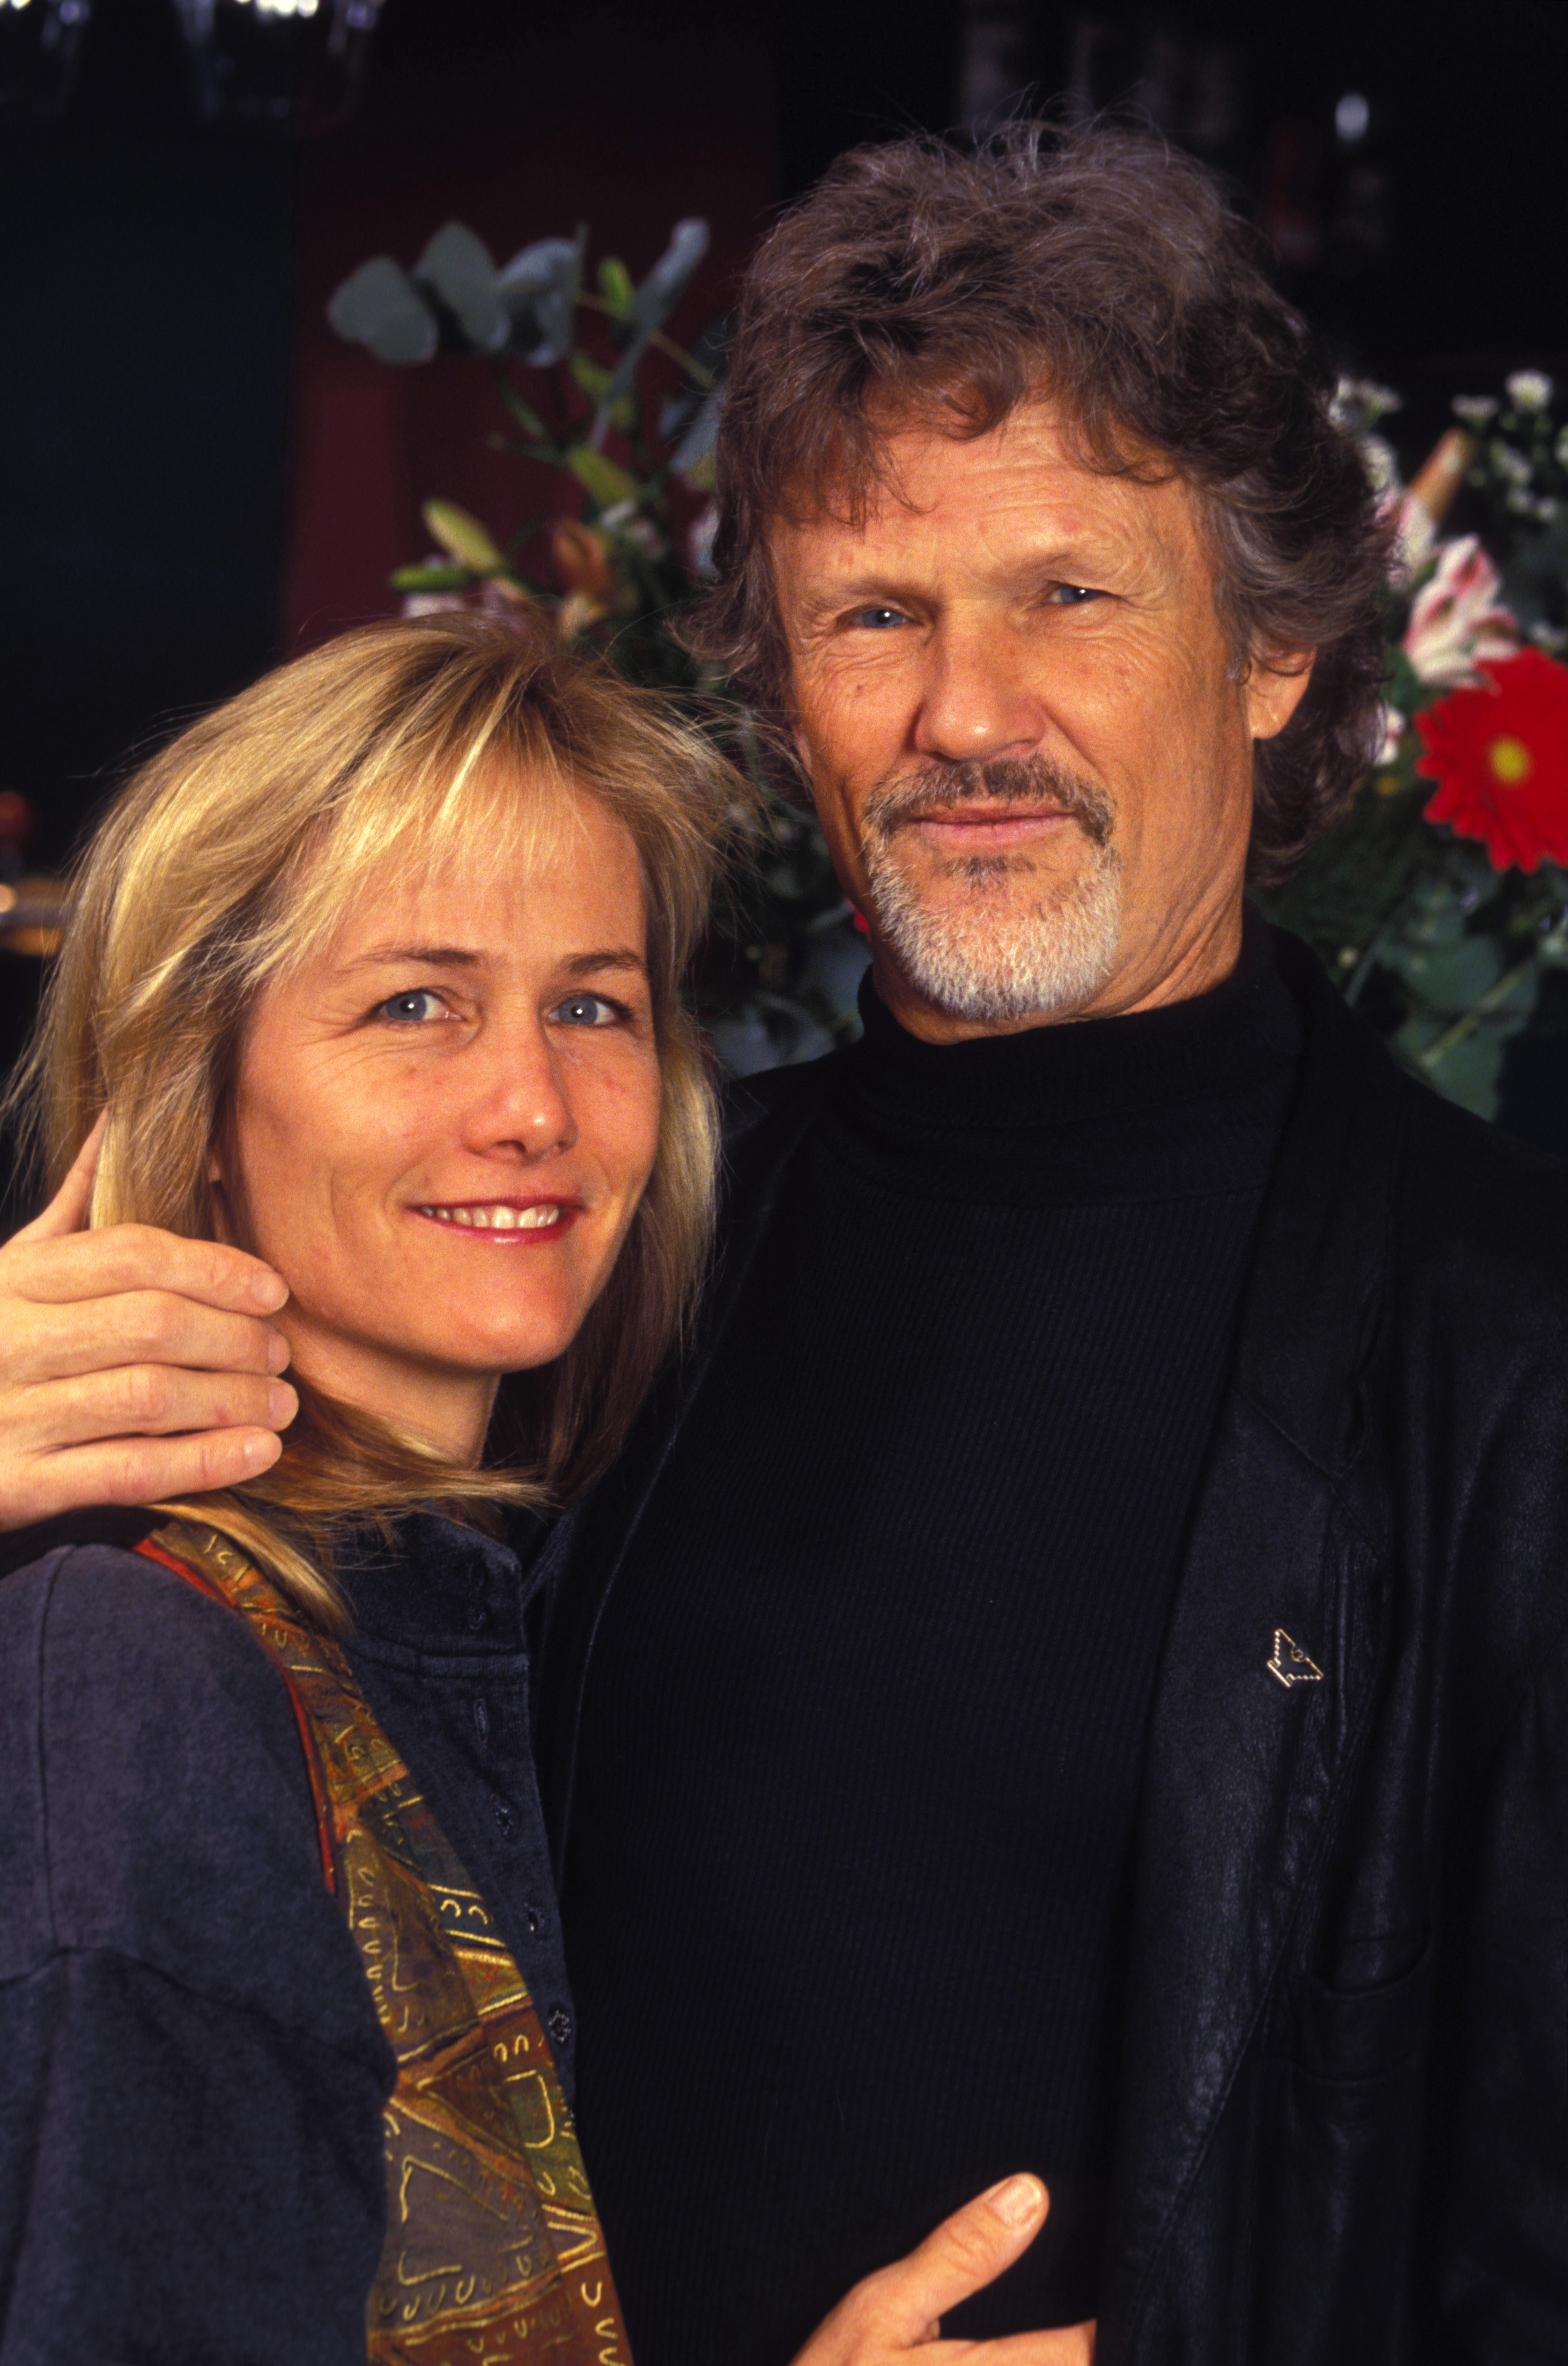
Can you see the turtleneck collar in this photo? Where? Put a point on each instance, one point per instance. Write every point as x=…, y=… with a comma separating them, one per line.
x=1160, y=1103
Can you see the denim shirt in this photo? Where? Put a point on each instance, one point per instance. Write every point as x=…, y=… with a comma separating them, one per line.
x=192, y=2074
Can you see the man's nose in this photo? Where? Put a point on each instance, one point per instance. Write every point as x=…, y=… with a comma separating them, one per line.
x=519, y=1099
x=977, y=704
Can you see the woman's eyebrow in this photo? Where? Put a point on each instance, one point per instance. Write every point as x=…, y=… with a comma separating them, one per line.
x=620, y=957
x=440, y=956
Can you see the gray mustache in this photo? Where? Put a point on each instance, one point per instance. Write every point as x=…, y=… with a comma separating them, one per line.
x=1007, y=780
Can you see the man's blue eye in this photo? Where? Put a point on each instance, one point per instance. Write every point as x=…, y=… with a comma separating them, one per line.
x=413, y=1009
x=878, y=620
x=587, y=1010
x=1073, y=595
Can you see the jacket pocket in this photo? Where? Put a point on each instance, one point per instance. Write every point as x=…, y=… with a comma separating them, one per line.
x=1340, y=2165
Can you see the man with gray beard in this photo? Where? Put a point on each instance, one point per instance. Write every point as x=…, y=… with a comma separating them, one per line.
x=1068, y=1675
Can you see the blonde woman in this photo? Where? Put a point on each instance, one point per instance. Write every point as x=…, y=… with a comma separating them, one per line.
x=376, y=973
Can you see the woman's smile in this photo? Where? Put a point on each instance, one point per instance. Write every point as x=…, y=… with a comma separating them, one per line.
x=508, y=1224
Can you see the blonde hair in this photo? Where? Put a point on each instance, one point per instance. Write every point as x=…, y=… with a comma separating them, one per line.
x=233, y=856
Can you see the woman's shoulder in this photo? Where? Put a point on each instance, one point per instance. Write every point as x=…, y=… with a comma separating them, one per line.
x=158, y=1801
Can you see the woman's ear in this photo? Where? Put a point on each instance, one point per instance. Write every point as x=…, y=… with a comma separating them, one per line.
x=1274, y=688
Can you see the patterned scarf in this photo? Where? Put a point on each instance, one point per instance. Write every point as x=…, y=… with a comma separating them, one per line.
x=494, y=2255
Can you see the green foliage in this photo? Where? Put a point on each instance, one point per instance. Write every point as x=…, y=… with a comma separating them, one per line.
x=574, y=371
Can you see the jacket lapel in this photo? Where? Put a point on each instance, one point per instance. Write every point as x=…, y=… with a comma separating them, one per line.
x=1269, y=1651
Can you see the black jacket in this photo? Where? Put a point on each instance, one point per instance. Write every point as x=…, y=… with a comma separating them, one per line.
x=1343, y=2131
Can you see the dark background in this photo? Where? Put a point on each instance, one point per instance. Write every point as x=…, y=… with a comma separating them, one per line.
x=198, y=476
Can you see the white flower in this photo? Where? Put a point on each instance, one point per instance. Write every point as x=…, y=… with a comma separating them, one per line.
x=1457, y=620
x=1531, y=389
x=1377, y=456
x=1511, y=463
x=1394, y=729
x=1475, y=409
x=1360, y=402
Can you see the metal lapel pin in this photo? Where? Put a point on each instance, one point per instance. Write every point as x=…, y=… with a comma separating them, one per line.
x=1291, y=1663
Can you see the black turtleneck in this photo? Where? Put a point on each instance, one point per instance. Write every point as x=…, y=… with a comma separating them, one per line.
x=865, y=1717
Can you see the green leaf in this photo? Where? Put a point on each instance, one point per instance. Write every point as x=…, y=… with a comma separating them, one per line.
x=529, y=421
x=462, y=536
x=615, y=285
x=591, y=375
x=603, y=479
x=427, y=578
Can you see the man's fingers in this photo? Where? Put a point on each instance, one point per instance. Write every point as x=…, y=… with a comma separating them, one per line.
x=54, y=1268
x=134, y=1470
x=145, y=1400
x=67, y=1211
x=51, y=1345
x=1066, y=2345
x=966, y=2252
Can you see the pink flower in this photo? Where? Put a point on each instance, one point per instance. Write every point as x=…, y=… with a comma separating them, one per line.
x=1457, y=623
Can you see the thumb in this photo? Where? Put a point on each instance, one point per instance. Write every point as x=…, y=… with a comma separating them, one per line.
x=67, y=1211
x=966, y=2252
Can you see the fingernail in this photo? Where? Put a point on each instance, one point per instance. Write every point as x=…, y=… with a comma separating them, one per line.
x=268, y=1290
x=276, y=1351
x=282, y=1405
x=262, y=1451
x=1017, y=2201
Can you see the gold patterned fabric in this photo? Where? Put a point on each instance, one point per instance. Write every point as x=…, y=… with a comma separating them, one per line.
x=494, y=2255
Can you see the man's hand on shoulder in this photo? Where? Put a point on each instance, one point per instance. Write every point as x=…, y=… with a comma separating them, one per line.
x=133, y=1365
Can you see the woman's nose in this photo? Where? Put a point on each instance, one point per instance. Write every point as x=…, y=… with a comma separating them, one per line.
x=522, y=1100
x=977, y=705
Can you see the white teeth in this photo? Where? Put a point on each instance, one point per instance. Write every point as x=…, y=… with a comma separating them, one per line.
x=498, y=1217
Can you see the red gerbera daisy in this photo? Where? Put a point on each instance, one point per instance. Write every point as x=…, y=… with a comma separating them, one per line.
x=1500, y=756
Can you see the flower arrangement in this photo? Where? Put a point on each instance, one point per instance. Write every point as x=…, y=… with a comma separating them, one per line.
x=592, y=389
x=1441, y=901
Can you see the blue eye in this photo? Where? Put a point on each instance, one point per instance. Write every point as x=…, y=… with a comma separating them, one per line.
x=412, y=1009
x=1072, y=595
x=878, y=620
x=587, y=1010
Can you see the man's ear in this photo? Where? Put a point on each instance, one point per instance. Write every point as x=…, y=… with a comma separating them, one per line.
x=1274, y=688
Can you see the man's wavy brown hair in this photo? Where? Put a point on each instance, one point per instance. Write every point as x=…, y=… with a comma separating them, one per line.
x=919, y=284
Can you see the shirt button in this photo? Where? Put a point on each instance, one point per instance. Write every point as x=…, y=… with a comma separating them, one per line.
x=559, y=2025
x=534, y=1919
x=503, y=1816
x=481, y=1723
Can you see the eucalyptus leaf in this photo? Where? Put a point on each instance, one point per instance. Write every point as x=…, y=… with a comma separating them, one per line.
x=652, y=303
x=459, y=269
x=1449, y=978
x=539, y=290
x=378, y=306
x=658, y=294
x=695, y=446
x=1469, y=1073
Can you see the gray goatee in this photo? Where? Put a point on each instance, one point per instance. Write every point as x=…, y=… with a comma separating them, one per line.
x=996, y=952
